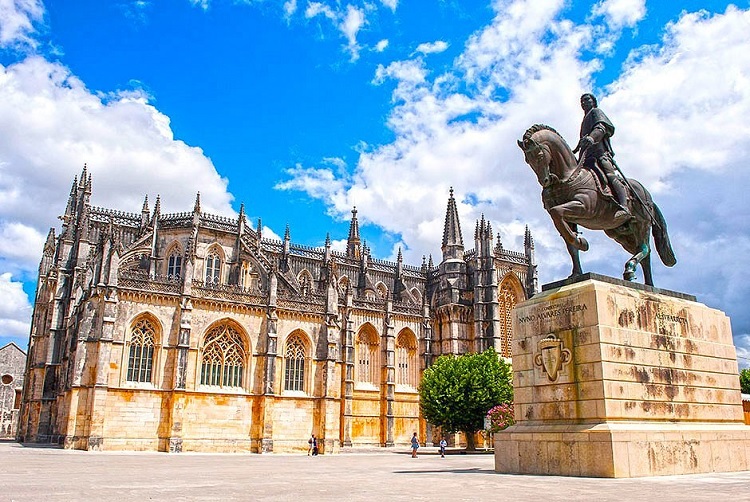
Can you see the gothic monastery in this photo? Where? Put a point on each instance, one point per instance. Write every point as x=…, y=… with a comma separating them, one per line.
x=193, y=332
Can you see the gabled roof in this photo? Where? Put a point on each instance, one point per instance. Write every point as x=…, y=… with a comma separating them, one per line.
x=12, y=344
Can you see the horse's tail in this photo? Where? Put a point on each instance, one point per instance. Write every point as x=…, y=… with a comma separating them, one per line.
x=661, y=239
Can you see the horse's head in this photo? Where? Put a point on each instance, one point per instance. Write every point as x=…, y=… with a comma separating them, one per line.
x=538, y=156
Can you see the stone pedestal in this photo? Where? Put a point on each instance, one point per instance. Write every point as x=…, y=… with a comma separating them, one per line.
x=619, y=380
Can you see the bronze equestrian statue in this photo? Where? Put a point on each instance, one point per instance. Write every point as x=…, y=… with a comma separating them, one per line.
x=585, y=193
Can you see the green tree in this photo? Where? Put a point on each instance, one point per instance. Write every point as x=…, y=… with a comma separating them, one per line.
x=745, y=381
x=457, y=391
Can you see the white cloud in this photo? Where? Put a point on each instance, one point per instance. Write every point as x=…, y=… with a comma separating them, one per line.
x=21, y=245
x=317, y=8
x=391, y=4
x=15, y=309
x=432, y=47
x=381, y=46
x=290, y=7
x=350, y=26
x=51, y=124
x=348, y=21
x=685, y=104
x=18, y=20
x=203, y=4
x=620, y=13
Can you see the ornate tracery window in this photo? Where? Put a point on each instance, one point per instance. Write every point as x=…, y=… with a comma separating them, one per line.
x=223, y=360
x=213, y=268
x=367, y=357
x=294, y=364
x=141, y=357
x=407, y=366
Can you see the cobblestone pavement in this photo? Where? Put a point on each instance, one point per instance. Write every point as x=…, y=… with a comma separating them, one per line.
x=51, y=474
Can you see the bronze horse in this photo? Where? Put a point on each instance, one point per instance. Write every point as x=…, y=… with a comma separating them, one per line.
x=572, y=196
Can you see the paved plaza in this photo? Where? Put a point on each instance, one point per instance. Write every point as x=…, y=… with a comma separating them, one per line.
x=51, y=474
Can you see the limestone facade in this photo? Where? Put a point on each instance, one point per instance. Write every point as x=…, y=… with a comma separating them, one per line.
x=190, y=331
x=12, y=366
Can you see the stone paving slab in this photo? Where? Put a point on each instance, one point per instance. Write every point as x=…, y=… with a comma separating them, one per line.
x=48, y=474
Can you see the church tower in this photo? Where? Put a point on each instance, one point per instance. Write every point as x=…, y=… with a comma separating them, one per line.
x=453, y=319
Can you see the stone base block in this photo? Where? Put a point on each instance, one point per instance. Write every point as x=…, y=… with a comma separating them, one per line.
x=613, y=379
x=622, y=450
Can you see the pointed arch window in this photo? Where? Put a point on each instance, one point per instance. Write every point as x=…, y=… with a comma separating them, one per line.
x=368, y=362
x=174, y=265
x=507, y=298
x=223, y=359
x=213, y=268
x=141, y=357
x=294, y=364
x=407, y=365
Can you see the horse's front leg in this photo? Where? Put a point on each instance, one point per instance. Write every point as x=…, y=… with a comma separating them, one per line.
x=559, y=216
x=574, y=256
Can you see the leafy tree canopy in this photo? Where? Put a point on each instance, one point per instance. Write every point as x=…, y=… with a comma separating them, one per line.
x=457, y=391
x=745, y=381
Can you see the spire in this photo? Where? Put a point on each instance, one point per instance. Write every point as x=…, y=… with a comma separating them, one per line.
x=424, y=263
x=498, y=246
x=353, y=247
x=145, y=213
x=453, y=242
x=259, y=230
x=157, y=206
x=528, y=241
x=49, y=245
x=327, y=254
x=430, y=265
x=241, y=222
x=84, y=177
x=287, y=239
x=197, y=206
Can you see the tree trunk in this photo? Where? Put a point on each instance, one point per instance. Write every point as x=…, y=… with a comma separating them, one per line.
x=470, y=446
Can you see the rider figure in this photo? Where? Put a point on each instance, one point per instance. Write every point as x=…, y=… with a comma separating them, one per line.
x=596, y=149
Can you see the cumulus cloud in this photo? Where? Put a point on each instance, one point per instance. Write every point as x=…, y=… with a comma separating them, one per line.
x=15, y=309
x=51, y=124
x=620, y=13
x=19, y=20
x=680, y=109
x=381, y=46
x=432, y=47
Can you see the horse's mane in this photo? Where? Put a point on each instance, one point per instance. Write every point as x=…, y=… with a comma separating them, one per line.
x=541, y=127
x=536, y=128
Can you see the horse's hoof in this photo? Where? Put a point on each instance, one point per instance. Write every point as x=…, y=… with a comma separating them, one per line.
x=629, y=276
x=583, y=244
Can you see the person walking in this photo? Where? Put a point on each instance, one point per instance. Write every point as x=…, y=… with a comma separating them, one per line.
x=414, y=445
x=310, y=444
x=314, y=446
x=443, y=444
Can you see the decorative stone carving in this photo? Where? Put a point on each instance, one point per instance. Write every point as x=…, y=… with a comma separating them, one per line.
x=551, y=356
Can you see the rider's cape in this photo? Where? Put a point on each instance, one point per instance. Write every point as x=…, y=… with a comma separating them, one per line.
x=590, y=120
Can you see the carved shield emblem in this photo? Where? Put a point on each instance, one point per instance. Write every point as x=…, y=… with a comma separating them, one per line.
x=551, y=356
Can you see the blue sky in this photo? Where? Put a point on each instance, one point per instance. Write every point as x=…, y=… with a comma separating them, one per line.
x=303, y=109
